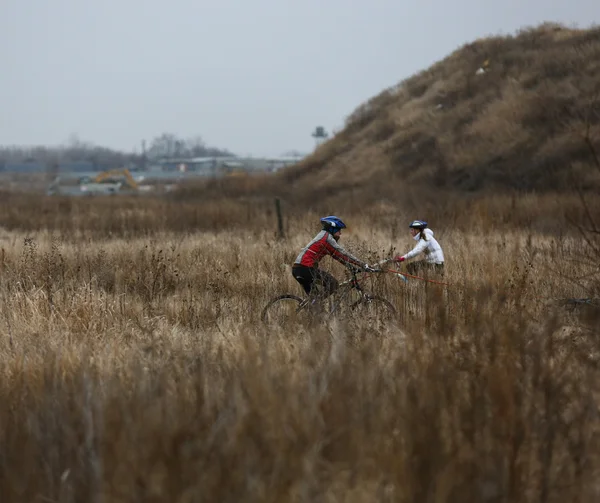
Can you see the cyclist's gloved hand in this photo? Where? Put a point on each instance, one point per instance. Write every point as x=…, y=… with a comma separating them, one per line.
x=399, y=259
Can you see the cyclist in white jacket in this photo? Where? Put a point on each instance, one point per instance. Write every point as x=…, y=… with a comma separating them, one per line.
x=426, y=244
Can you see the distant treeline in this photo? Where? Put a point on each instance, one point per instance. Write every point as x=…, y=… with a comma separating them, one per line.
x=77, y=155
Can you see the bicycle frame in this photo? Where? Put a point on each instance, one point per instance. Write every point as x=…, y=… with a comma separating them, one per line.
x=340, y=294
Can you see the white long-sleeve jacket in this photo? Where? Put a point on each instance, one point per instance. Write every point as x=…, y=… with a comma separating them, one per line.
x=429, y=247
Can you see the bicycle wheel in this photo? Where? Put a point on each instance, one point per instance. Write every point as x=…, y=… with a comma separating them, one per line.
x=373, y=307
x=283, y=308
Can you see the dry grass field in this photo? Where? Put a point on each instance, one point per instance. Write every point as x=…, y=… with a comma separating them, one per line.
x=134, y=366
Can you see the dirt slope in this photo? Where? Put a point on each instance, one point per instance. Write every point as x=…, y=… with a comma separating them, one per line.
x=499, y=113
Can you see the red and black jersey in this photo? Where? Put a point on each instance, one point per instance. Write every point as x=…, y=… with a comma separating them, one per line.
x=325, y=244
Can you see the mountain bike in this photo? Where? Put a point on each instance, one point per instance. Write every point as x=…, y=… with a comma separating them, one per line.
x=350, y=298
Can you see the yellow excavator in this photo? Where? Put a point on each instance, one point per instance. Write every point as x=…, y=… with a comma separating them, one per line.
x=116, y=174
x=109, y=181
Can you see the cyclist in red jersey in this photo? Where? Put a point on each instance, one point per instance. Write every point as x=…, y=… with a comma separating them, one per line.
x=305, y=268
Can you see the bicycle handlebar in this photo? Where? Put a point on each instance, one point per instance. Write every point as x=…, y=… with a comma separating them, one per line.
x=355, y=269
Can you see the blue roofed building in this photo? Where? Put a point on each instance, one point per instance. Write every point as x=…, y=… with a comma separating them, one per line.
x=76, y=166
x=24, y=167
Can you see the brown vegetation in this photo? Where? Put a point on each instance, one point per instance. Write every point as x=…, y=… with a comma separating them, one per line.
x=519, y=125
x=134, y=367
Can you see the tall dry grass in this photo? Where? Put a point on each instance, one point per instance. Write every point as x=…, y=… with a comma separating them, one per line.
x=134, y=367
x=206, y=208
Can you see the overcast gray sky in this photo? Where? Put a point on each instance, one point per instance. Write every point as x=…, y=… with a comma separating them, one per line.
x=254, y=76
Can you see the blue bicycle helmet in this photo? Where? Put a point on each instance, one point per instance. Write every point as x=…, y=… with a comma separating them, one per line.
x=418, y=224
x=332, y=224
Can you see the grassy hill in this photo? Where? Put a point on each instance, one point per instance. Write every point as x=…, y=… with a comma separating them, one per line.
x=506, y=112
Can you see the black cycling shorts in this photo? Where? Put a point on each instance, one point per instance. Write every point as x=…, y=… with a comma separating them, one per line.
x=307, y=276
